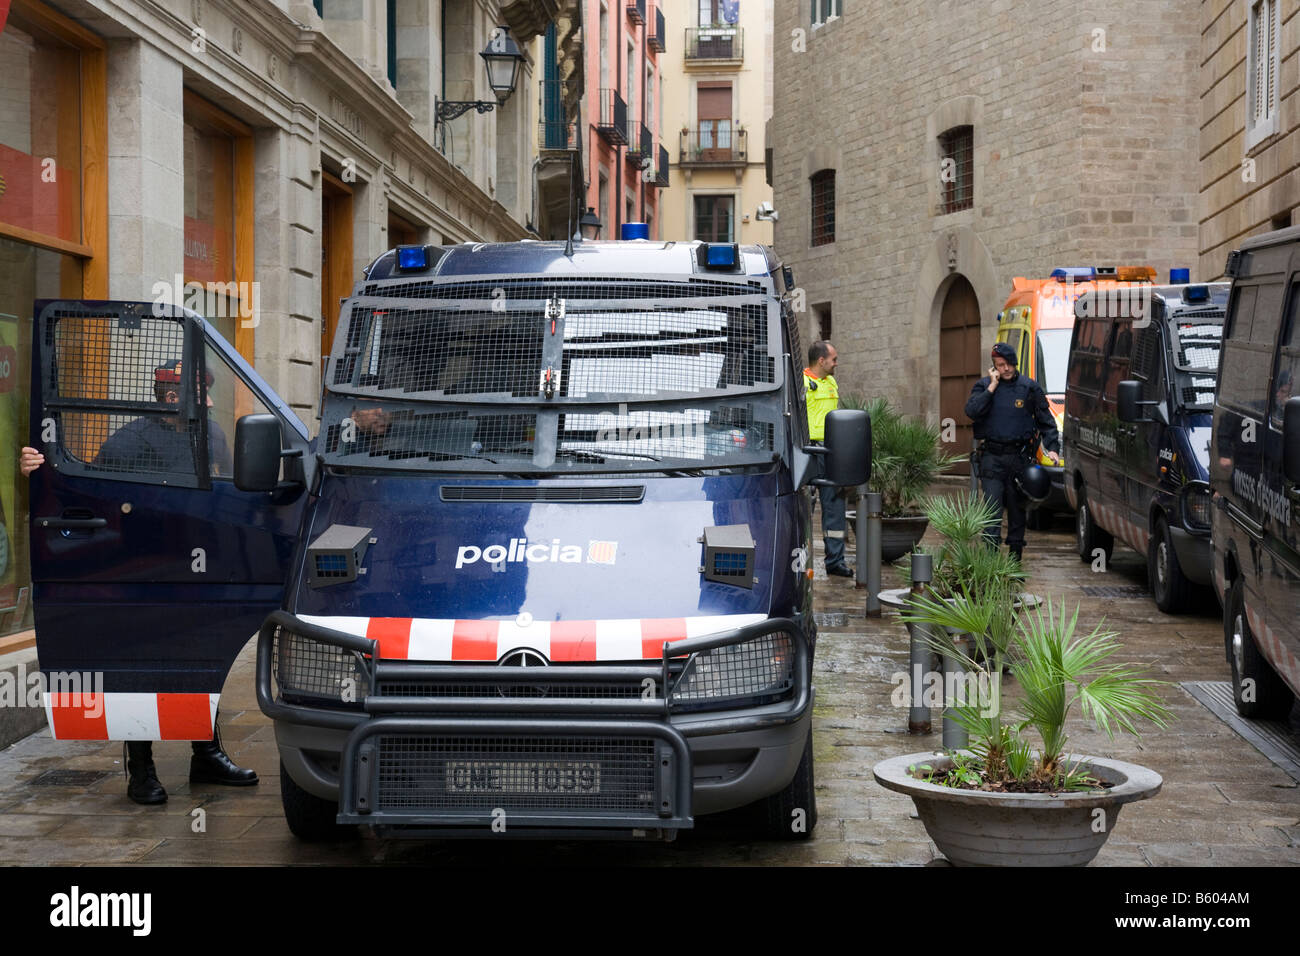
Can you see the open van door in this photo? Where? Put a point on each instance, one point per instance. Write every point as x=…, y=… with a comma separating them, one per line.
x=150, y=569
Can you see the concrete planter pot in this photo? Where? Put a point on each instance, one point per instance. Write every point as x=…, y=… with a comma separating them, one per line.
x=974, y=828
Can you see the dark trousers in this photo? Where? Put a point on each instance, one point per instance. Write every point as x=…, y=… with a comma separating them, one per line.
x=833, y=524
x=997, y=479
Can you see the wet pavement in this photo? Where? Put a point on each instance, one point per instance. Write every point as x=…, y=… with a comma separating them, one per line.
x=1223, y=802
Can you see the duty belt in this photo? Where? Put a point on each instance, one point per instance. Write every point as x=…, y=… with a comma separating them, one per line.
x=1003, y=447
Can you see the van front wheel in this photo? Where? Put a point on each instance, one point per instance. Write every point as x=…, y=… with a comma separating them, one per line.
x=1169, y=586
x=791, y=814
x=309, y=817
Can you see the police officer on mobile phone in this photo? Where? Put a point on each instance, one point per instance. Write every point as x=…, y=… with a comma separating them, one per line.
x=1011, y=415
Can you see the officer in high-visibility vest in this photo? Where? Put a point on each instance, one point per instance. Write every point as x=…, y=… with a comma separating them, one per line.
x=822, y=395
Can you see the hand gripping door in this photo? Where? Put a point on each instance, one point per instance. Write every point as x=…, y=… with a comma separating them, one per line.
x=150, y=570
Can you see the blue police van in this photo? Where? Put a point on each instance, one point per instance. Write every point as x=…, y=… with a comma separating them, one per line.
x=1255, y=475
x=545, y=568
x=1139, y=392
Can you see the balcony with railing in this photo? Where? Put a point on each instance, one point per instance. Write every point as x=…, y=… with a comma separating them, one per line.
x=714, y=45
x=639, y=143
x=554, y=135
x=611, y=123
x=659, y=169
x=714, y=143
x=658, y=39
x=636, y=11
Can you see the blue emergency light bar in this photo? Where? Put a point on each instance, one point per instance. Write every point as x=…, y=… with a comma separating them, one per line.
x=1075, y=272
x=412, y=257
x=635, y=230
x=1180, y=276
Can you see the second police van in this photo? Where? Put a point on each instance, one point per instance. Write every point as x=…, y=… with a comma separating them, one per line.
x=545, y=568
x=1036, y=321
x=1137, y=429
x=1255, y=475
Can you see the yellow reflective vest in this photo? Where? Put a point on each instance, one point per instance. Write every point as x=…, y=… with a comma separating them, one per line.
x=822, y=395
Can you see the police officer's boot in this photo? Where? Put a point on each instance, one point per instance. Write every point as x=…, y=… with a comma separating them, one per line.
x=1016, y=552
x=210, y=764
x=142, y=784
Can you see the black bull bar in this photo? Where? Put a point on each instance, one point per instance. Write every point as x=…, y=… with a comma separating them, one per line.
x=521, y=761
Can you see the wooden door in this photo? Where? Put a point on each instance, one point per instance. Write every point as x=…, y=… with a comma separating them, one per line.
x=336, y=256
x=959, y=363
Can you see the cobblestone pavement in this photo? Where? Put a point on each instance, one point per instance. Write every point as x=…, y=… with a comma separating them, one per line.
x=1223, y=803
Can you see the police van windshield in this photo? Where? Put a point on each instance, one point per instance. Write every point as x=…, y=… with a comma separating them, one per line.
x=556, y=385
x=1196, y=363
x=1053, y=356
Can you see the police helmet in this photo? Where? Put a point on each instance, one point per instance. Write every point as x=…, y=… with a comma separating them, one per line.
x=1034, y=483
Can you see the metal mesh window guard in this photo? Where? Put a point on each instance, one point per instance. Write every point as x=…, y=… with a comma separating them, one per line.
x=135, y=426
x=1197, y=363
x=823, y=207
x=957, y=168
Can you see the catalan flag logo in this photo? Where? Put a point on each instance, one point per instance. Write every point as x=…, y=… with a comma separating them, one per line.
x=602, y=552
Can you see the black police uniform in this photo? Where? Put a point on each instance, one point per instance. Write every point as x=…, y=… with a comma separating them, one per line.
x=1006, y=423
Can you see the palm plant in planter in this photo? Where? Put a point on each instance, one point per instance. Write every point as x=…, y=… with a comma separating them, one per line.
x=1003, y=801
x=906, y=457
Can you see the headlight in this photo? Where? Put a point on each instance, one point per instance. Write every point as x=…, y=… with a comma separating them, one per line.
x=761, y=668
x=325, y=672
x=1196, y=507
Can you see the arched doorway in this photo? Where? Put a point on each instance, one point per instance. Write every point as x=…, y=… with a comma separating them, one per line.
x=959, y=362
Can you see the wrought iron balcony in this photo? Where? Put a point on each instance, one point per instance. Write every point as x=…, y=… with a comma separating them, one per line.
x=557, y=135
x=658, y=40
x=660, y=177
x=715, y=43
x=639, y=143
x=636, y=11
x=611, y=124
x=714, y=143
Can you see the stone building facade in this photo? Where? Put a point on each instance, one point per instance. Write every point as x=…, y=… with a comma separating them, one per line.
x=1074, y=134
x=1249, y=124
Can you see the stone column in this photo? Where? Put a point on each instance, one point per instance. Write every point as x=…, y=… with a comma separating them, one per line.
x=419, y=60
x=146, y=169
x=287, y=263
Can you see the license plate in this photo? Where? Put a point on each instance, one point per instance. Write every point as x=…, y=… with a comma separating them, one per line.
x=523, y=776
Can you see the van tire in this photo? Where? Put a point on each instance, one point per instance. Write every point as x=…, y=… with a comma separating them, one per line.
x=309, y=817
x=779, y=809
x=1272, y=698
x=1088, y=537
x=1169, y=586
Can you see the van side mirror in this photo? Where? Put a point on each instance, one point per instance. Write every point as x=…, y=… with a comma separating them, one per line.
x=1291, y=439
x=1128, y=397
x=257, y=453
x=848, y=448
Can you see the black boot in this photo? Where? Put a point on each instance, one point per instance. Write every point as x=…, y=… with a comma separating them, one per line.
x=142, y=784
x=211, y=765
x=1016, y=552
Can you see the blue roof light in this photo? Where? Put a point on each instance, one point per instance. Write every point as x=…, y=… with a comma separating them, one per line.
x=1180, y=276
x=1075, y=272
x=1196, y=293
x=412, y=257
x=721, y=254
x=635, y=230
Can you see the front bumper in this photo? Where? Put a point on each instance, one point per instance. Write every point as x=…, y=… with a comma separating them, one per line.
x=473, y=744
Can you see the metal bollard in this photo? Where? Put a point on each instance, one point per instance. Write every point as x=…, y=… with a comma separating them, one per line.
x=873, y=505
x=954, y=678
x=918, y=716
